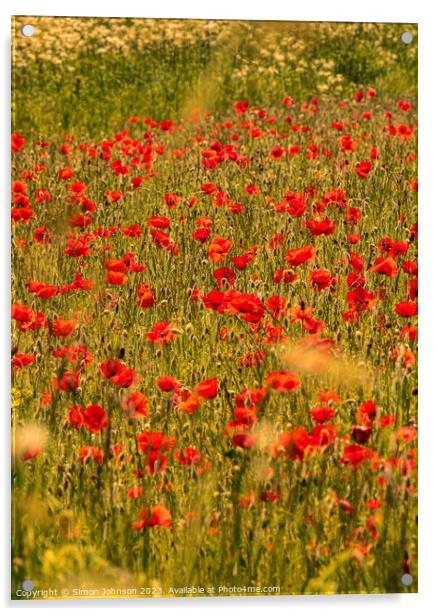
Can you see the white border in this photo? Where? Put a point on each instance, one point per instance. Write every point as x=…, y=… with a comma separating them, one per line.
x=416, y=11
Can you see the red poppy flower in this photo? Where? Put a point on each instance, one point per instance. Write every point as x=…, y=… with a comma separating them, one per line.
x=410, y=267
x=247, y=501
x=248, y=306
x=353, y=238
x=171, y=199
x=113, y=195
x=373, y=504
x=410, y=332
x=132, y=231
x=24, y=214
x=252, y=359
x=295, y=444
x=188, y=403
x=387, y=266
x=18, y=186
x=319, y=227
x=160, y=222
x=153, y=445
x=77, y=187
x=208, y=188
x=406, y=434
x=69, y=381
x=135, y=405
x=77, y=248
x=392, y=248
x=218, y=249
x=366, y=413
x=19, y=360
x=115, y=278
x=282, y=380
x=61, y=328
x=276, y=305
x=187, y=456
x=117, y=373
x=88, y=451
x=355, y=261
x=124, y=377
x=284, y=276
x=241, y=436
x=94, y=418
x=412, y=288
x=207, y=389
x=201, y=235
x=17, y=142
x=251, y=189
x=321, y=414
x=145, y=297
x=215, y=300
x=149, y=441
x=65, y=173
x=41, y=235
x=355, y=455
x=159, y=516
x=40, y=289
x=167, y=383
x=135, y=492
x=297, y=256
x=277, y=152
x=161, y=333
x=323, y=433
x=224, y=273
x=406, y=309
x=363, y=169
x=328, y=396
x=320, y=279
x=240, y=107
x=26, y=318
x=335, y=197
x=31, y=451
x=251, y=396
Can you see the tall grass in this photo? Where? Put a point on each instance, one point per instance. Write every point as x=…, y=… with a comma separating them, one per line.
x=88, y=74
x=72, y=520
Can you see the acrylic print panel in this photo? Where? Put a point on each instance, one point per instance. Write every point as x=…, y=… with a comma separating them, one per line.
x=214, y=318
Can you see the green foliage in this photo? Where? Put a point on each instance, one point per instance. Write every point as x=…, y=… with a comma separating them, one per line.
x=84, y=76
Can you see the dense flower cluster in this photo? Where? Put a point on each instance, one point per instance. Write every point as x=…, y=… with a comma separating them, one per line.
x=233, y=295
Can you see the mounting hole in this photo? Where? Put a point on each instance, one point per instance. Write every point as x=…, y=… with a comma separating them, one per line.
x=406, y=579
x=27, y=30
x=406, y=38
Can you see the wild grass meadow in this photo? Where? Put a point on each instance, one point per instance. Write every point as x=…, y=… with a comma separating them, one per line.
x=214, y=308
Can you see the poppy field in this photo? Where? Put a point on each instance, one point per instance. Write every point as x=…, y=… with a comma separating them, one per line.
x=214, y=337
